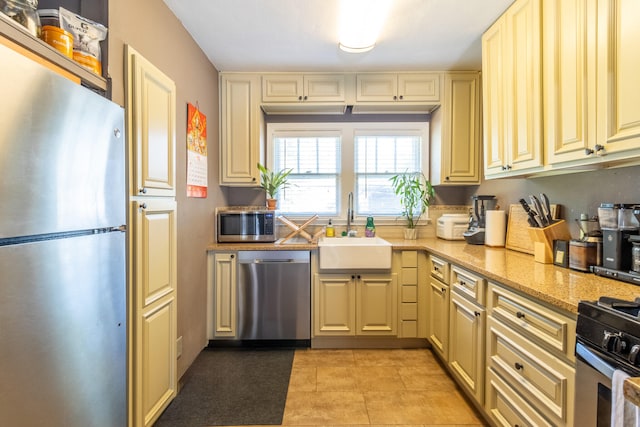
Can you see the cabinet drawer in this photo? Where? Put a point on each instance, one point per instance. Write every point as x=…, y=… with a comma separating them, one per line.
x=409, y=293
x=468, y=284
x=409, y=311
x=544, y=381
x=554, y=330
x=439, y=269
x=506, y=408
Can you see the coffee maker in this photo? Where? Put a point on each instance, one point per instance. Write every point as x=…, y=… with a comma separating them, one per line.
x=475, y=232
x=620, y=224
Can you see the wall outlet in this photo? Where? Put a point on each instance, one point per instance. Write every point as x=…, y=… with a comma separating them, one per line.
x=179, y=347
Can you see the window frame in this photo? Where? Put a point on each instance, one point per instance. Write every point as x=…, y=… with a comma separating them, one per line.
x=347, y=173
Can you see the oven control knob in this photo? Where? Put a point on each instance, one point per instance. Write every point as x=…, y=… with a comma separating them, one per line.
x=634, y=355
x=614, y=342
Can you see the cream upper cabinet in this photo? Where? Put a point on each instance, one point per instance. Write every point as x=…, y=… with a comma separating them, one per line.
x=455, y=131
x=569, y=88
x=512, y=92
x=152, y=129
x=402, y=87
x=303, y=88
x=618, y=78
x=241, y=129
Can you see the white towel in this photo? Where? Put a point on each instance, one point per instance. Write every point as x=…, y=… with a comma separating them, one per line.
x=623, y=413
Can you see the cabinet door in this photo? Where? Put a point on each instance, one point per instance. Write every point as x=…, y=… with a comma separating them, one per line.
x=493, y=100
x=334, y=306
x=154, y=307
x=376, y=87
x=569, y=80
x=524, y=85
x=618, y=84
x=224, y=294
x=376, y=304
x=241, y=129
x=324, y=88
x=419, y=87
x=439, y=317
x=460, y=156
x=466, y=346
x=151, y=115
x=282, y=88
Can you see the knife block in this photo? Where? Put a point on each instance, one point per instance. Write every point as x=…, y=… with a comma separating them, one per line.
x=543, y=238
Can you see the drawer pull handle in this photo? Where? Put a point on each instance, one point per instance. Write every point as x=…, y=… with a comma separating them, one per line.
x=476, y=313
x=463, y=283
x=436, y=268
x=443, y=290
x=519, y=366
x=520, y=315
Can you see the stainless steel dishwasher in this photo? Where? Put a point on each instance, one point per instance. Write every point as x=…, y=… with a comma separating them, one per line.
x=274, y=296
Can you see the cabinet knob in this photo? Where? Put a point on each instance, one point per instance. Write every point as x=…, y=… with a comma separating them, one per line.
x=253, y=179
x=232, y=256
x=477, y=313
x=443, y=290
x=143, y=190
x=300, y=98
x=353, y=276
x=518, y=366
x=520, y=315
x=395, y=98
x=401, y=97
x=446, y=178
x=305, y=97
x=143, y=206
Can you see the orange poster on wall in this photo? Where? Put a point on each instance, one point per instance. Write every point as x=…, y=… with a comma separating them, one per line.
x=196, y=152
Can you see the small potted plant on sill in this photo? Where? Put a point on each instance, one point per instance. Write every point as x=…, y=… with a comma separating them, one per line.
x=272, y=182
x=415, y=192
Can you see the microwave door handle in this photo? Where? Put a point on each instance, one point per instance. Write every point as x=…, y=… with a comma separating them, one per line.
x=594, y=361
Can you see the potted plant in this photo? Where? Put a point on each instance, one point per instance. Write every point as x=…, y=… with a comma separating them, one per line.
x=272, y=182
x=415, y=193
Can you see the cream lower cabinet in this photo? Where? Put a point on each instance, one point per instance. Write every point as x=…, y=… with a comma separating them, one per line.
x=223, y=316
x=355, y=304
x=438, y=307
x=466, y=344
x=154, y=357
x=530, y=361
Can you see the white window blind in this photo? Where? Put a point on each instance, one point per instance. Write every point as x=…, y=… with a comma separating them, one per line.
x=377, y=158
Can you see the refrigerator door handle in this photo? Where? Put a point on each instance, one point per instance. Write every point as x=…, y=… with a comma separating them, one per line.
x=122, y=228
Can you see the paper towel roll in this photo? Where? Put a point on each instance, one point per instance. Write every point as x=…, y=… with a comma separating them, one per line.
x=495, y=228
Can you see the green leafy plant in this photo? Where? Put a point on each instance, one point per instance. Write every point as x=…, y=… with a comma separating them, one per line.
x=272, y=182
x=415, y=192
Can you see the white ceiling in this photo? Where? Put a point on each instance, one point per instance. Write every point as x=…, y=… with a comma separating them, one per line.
x=301, y=35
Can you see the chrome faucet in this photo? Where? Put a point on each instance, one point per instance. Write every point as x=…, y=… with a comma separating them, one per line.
x=350, y=232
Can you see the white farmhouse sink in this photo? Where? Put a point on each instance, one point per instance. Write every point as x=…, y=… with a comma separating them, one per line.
x=339, y=253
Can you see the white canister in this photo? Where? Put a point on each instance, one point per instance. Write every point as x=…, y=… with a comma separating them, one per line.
x=495, y=228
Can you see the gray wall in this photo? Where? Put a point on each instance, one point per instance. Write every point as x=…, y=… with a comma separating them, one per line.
x=150, y=28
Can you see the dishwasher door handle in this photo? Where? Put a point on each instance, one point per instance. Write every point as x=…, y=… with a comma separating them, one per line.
x=273, y=261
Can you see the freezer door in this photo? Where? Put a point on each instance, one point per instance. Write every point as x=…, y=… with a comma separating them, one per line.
x=62, y=153
x=63, y=332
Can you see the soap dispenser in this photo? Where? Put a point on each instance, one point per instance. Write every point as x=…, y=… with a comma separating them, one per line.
x=329, y=230
x=370, y=228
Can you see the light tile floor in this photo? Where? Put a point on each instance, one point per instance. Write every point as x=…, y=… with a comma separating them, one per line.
x=373, y=387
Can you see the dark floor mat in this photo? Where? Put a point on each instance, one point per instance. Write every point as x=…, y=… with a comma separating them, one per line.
x=232, y=387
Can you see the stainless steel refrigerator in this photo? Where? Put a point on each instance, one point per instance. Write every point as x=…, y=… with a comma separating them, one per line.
x=62, y=251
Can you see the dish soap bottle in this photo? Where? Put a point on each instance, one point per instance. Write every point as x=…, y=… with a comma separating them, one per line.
x=329, y=230
x=370, y=228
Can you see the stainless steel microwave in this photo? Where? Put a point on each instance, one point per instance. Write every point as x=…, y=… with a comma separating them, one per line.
x=245, y=224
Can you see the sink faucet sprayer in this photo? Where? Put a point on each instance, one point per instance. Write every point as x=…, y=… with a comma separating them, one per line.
x=350, y=232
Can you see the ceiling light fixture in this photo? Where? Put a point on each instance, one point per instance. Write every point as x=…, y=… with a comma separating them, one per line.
x=360, y=23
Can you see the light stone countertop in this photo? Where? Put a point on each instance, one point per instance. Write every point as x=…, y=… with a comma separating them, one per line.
x=560, y=287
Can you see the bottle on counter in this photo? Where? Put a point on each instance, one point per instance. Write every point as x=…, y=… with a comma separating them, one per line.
x=370, y=228
x=329, y=231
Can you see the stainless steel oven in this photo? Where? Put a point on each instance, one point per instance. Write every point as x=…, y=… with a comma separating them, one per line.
x=607, y=339
x=245, y=224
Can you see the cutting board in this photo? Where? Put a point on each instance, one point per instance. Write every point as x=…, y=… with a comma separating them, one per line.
x=518, y=238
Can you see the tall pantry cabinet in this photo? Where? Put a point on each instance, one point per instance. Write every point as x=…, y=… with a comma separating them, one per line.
x=151, y=112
